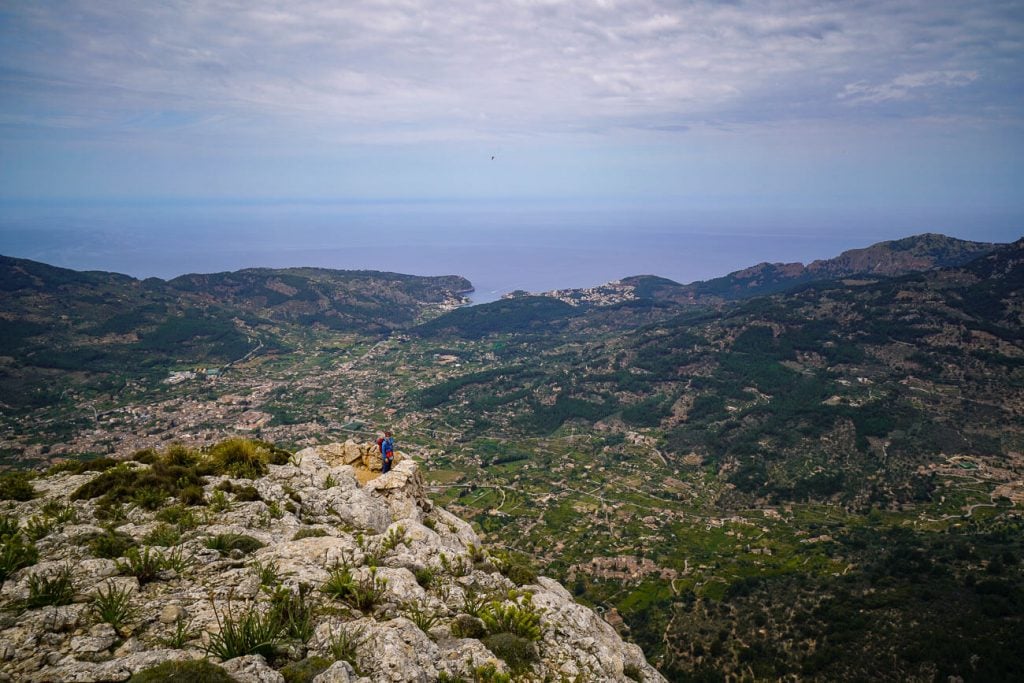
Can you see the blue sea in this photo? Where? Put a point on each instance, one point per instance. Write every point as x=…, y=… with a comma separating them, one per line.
x=499, y=248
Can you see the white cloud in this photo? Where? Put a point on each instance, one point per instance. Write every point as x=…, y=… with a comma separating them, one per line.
x=906, y=86
x=465, y=69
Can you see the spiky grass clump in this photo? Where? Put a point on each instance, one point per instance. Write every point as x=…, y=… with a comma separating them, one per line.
x=147, y=564
x=250, y=632
x=344, y=645
x=293, y=611
x=58, y=589
x=115, y=605
x=240, y=458
x=16, y=552
x=225, y=543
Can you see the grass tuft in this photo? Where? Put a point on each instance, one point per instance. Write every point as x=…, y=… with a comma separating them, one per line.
x=114, y=607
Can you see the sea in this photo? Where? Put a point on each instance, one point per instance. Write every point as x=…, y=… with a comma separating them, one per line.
x=498, y=247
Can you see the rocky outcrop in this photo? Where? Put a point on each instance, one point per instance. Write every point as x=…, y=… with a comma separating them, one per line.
x=378, y=585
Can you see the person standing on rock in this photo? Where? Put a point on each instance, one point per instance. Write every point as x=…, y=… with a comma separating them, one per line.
x=387, y=452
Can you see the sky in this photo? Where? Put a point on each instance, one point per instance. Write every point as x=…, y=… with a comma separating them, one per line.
x=904, y=116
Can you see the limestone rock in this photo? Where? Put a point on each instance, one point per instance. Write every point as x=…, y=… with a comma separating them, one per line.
x=379, y=536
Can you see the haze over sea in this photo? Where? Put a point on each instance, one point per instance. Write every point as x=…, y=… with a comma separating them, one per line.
x=500, y=248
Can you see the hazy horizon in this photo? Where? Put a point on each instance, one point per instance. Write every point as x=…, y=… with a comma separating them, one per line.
x=499, y=249
x=522, y=136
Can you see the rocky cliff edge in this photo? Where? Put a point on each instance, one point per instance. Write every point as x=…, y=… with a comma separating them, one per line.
x=364, y=581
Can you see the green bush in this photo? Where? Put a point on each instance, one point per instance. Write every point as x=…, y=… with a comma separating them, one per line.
x=306, y=670
x=16, y=485
x=123, y=484
x=516, y=651
x=520, y=574
x=309, y=532
x=192, y=495
x=82, y=466
x=180, y=515
x=188, y=671
x=465, y=626
x=240, y=458
x=16, y=553
x=163, y=535
x=519, y=617
x=39, y=527
x=247, y=494
x=110, y=544
x=267, y=572
x=8, y=525
x=225, y=543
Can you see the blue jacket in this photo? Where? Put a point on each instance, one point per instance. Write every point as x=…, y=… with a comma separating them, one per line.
x=387, y=446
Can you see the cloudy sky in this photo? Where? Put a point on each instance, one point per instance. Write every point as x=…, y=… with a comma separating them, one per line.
x=829, y=107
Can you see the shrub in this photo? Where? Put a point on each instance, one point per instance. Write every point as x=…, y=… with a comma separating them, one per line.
x=163, y=535
x=146, y=456
x=178, y=455
x=16, y=485
x=8, y=525
x=111, y=544
x=465, y=626
x=519, y=617
x=395, y=536
x=308, y=533
x=219, y=501
x=38, y=528
x=367, y=592
x=192, y=495
x=188, y=671
x=123, y=483
x=306, y=670
x=240, y=458
x=50, y=590
x=247, y=494
x=225, y=543
x=82, y=466
x=149, y=498
x=293, y=611
x=147, y=564
x=178, y=514
x=633, y=672
x=474, y=603
x=339, y=583
x=425, y=576
x=60, y=513
x=516, y=651
x=250, y=633
x=114, y=607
